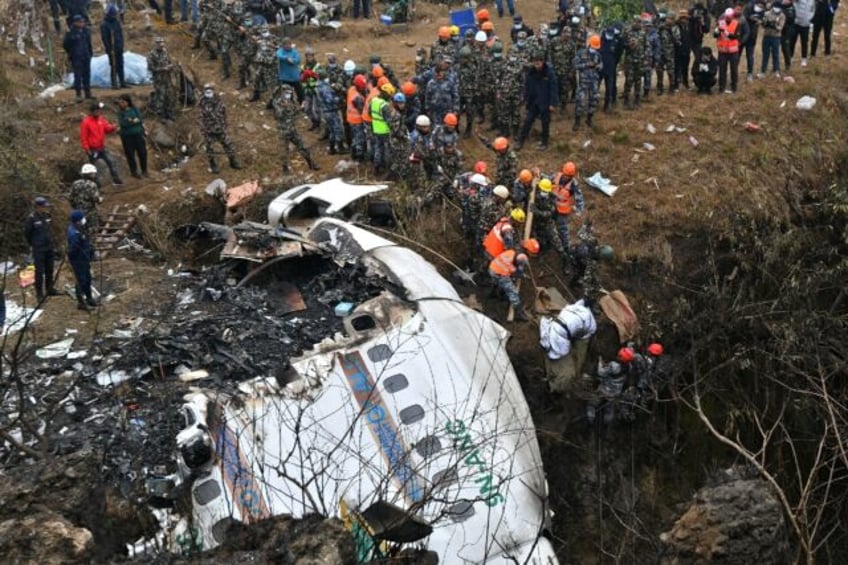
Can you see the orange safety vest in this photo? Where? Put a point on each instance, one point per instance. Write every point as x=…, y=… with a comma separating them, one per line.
x=354, y=116
x=564, y=197
x=366, y=113
x=723, y=43
x=494, y=243
x=503, y=264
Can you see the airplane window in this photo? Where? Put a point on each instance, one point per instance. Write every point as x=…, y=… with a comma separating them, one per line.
x=445, y=477
x=461, y=511
x=363, y=323
x=395, y=383
x=428, y=446
x=381, y=352
x=206, y=492
x=411, y=414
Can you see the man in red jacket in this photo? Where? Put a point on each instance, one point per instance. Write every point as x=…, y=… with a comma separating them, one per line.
x=93, y=130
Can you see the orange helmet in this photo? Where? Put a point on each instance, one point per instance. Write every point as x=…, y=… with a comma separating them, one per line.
x=569, y=169
x=480, y=167
x=482, y=15
x=500, y=144
x=525, y=176
x=377, y=72
x=626, y=355
x=444, y=32
x=408, y=88
x=451, y=120
x=382, y=81
x=531, y=245
x=487, y=26
x=595, y=41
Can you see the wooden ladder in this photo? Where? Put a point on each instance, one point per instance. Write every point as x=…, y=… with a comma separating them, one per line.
x=113, y=230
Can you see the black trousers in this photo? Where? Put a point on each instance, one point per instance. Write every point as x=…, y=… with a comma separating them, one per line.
x=544, y=114
x=135, y=145
x=824, y=23
x=681, y=66
x=43, y=260
x=82, y=274
x=725, y=60
x=610, y=88
x=804, y=34
x=116, y=69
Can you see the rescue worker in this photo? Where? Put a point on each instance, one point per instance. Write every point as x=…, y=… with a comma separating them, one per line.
x=506, y=161
x=518, y=26
x=309, y=84
x=445, y=133
x=381, y=111
x=442, y=94
x=442, y=47
x=77, y=45
x=522, y=186
x=93, y=130
x=420, y=153
x=471, y=186
x=508, y=86
x=39, y=236
x=450, y=163
x=412, y=108
x=163, y=102
x=569, y=199
x=611, y=51
x=492, y=206
x=212, y=119
x=728, y=36
x=561, y=52
x=467, y=75
x=665, y=66
x=80, y=255
x=589, y=66
x=653, y=52
x=329, y=104
x=611, y=382
x=635, y=59
x=286, y=111
x=502, y=235
x=544, y=222
x=540, y=97
x=84, y=195
x=507, y=268
x=353, y=116
x=399, y=138
x=266, y=66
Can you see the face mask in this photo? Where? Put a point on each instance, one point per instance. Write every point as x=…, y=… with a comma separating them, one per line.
x=83, y=222
x=776, y=9
x=208, y=93
x=418, y=58
x=520, y=44
x=287, y=96
x=593, y=51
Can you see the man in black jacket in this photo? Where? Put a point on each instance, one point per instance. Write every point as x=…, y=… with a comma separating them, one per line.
x=77, y=45
x=39, y=235
x=540, y=96
x=823, y=21
x=704, y=71
x=113, y=43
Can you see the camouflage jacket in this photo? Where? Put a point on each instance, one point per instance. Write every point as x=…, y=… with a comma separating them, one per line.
x=510, y=80
x=561, y=54
x=266, y=53
x=441, y=137
x=506, y=164
x=159, y=61
x=467, y=70
x=439, y=50
x=285, y=111
x=213, y=115
x=589, y=65
x=84, y=195
x=442, y=94
x=328, y=97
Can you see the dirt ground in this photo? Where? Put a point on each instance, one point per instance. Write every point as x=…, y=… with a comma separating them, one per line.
x=669, y=197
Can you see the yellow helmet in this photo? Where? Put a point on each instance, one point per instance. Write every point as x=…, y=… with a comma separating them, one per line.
x=388, y=89
x=454, y=31
x=545, y=185
x=518, y=215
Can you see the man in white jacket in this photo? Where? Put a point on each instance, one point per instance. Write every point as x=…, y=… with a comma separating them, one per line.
x=804, y=12
x=573, y=323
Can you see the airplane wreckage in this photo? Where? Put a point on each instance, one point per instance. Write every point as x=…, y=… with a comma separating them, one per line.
x=405, y=418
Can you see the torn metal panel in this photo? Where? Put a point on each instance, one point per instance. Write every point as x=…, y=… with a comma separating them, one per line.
x=310, y=201
x=415, y=404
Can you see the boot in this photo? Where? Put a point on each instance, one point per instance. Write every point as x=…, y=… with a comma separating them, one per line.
x=83, y=306
x=88, y=95
x=627, y=105
x=234, y=163
x=225, y=65
x=606, y=106
x=213, y=166
x=637, y=103
x=332, y=148
x=241, y=84
x=312, y=164
x=589, y=119
x=325, y=136
x=91, y=302
x=576, y=125
x=255, y=96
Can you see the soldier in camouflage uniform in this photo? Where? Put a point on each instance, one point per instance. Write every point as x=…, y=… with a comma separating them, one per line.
x=329, y=102
x=472, y=187
x=467, y=76
x=442, y=96
x=212, y=119
x=634, y=66
x=420, y=153
x=506, y=161
x=589, y=66
x=442, y=47
x=84, y=195
x=338, y=82
x=230, y=17
x=519, y=50
x=286, y=112
x=309, y=80
x=246, y=43
x=544, y=225
x=585, y=262
x=493, y=206
x=666, y=62
x=482, y=66
x=508, y=89
x=541, y=42
x=653, y=52
x=209, y=28
x=561, y=53
x=398, y=138
x=445, y=133
x=450, y=163
x=163, y=102
x=265, y=61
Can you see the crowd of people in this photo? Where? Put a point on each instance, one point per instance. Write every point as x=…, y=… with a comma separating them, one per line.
x=409, y=128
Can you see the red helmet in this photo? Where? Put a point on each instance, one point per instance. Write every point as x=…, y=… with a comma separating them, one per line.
x=480, y=167
x=655, y=349
x=360, y=82
x=626, y=355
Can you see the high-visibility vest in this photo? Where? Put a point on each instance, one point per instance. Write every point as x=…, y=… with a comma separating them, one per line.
x=493, y=242
x=379, y=125
x=366, y=112
x=723, y=43
x=354, y=116
x=564, y=196
x=503, y=264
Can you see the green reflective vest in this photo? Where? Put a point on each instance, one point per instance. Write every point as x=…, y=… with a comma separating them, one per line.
x=378, y=123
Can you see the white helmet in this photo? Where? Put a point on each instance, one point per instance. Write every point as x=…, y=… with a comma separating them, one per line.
x=481, y=36
x=88, y=169
x=422, y=121
x=477, y=178
x=501, y=191
x=349, y=66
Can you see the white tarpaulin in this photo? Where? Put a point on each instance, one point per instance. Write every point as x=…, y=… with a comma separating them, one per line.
x=135, y=71
x=17, y=317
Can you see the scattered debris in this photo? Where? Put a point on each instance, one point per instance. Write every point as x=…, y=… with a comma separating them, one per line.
x=805, y=103
x=648, y=146
x=57, y=349
x=598, y=182
x=651, y=128
x=693, y=141
x=752, y=127
x=18, y=317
